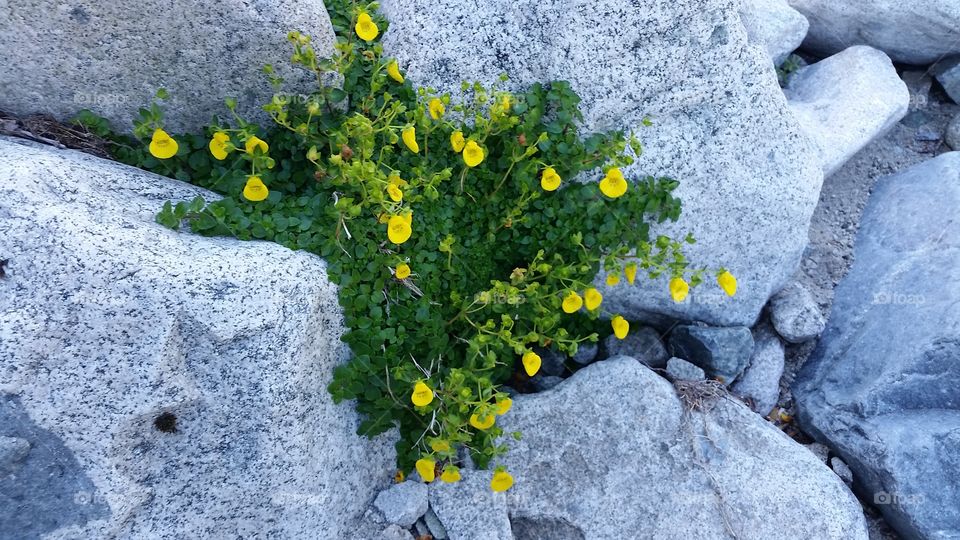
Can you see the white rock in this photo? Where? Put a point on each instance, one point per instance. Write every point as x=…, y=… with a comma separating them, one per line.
x=795, y=314
x=846, y=101
x=625, y=460
x=469, y=509
x=953, y=133
x=775, y=25
x=403, y=503
x=749, y=179
x=110, y=320
x=61, y=57
x=761, y=380
x=918, y=32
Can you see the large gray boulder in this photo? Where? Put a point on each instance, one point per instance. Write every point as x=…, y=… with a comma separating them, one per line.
x=175, y=385
x=882, y=387
x=918, y=32
x=749, y=179
x=846, y=101
x=613, y=453
x=111, y=57
x=775, y=25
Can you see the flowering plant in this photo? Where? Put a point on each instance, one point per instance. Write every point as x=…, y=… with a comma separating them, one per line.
x=452, y=224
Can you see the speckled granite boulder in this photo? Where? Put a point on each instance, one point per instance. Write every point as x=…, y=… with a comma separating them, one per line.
x=625, y=460
x=882, y=388
x=178, y=383
x=749, y=179
x=775, y=25
x=112, y=56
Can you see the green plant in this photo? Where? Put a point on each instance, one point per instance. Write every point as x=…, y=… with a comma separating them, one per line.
x=456, y=249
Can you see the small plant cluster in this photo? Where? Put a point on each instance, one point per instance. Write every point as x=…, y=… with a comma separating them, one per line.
x=453, y=226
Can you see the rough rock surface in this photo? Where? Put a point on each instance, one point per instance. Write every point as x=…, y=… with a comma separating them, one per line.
x=722, y=352
x=403, y=503
x=761, y=380
x=919, y=32
x=846, y=101
x=642, y=343
x=775, y=25
x=61, y=57
x=795, y=314
x=720, y=122
x=469, y=509
x=591, y=451
x=679, y=369
x=178, y=382
x=952, y=136
x=881, y=388
x=947, y=72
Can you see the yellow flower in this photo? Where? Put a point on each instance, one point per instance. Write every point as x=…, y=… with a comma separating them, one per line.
x=501, y=481
x=395, y=193
x=436, y=108
x=482, y=423
x=408, y=217
x=162, y=145
x=255, y=190
x=398, y=229
x=218, y=145
x=440, y=446
x=457, y=142
x=402, y=271
x=427, y=468
x=255, y=142
x=550, y=180
x=679, y=289
x=399, y=477
x=531, y=363
x=727, y=282
x=450, y=474
x=366, y=28
x=592, y=298
x=631, y=272
x=422, y=394
x=395, y=179
x=503, y=406
x=613, y=185
x=620, y=327
x=472, y=154
x=409, y=136
x=393, y=70
x=613, y=279
x=572, y=303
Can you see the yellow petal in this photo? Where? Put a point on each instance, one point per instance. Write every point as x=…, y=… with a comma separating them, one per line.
x=472, y=154
x=366, y=28
x=592, y=298
x=550, y=180
x=728, y=283
x=531, y=363
x=255, y=190
x=620, y=327
x=393, y=70
x=402, y=271
x=409, y=136
x=631, y=272
x=501, y=481
x=613, y=184
x=440, y=446
x=218, y=145
x=450, y=474
x=422, y=394
x=679, y=289
x=398, y=229
x=162, y=146
x=395, y=193
x=255, y=142
x=572, y=303
x=427, y=469
x=613, y=279
x=503, y=406
x=483, y=423
x=436, y=109
x=457, y=142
